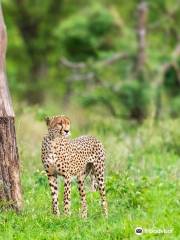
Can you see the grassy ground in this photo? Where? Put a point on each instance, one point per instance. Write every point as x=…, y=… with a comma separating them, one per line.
x=141, y=177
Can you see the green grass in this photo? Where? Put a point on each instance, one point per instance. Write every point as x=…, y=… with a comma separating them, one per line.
x=141, y=177
x=150, y=203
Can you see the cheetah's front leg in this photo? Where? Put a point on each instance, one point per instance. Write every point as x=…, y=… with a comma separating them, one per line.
x=54, y=192
x=67, y=195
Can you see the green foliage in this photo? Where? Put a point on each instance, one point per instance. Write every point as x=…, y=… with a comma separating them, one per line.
x=171, y=81
x=83, y=36
x=170, y=89
x=171, y=136
x=135, y=96
x=174, y=106
x=98, y=95
x=40, y=179
x=100, y=22
x=39, y=36
x=129, y=190
x=77, y=40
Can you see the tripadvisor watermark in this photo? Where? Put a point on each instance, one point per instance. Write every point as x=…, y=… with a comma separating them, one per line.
x=140, y=231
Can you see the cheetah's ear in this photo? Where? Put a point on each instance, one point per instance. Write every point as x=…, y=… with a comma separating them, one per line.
x=47, y=120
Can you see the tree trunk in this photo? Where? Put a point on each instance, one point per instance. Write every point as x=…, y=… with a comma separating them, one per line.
x=10, y=189
x=142, y=13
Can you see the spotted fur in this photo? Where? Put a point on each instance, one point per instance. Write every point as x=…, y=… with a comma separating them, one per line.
x=72, y=157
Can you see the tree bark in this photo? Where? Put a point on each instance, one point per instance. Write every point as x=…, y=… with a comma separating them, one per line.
x=142, y=13
x=10, y=187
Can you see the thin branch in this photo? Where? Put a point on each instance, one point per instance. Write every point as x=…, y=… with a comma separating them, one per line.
x=82, y=65
x=65, y=62
x=115, y=58
x=81, y=77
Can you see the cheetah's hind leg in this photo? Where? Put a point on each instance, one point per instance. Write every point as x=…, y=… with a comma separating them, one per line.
x=90, y=171
x=94, y=185
x=67, y=195
x=99, y=173
x=82, y=193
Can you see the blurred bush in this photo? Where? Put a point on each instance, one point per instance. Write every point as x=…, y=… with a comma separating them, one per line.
x=135, y=97
x=171, y=89
x=131, y=100
x=84, y=35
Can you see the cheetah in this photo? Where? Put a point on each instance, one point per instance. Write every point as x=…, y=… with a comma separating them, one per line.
x=71, y=157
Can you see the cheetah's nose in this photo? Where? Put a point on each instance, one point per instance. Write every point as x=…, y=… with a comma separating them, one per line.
x=66, y=131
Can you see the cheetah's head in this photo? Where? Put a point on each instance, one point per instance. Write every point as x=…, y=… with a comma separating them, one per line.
x=59, y=123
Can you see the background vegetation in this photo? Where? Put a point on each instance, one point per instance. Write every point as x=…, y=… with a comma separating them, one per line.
x=92, y=62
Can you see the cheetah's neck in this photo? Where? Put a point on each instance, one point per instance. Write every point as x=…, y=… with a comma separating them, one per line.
x=54, y=133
